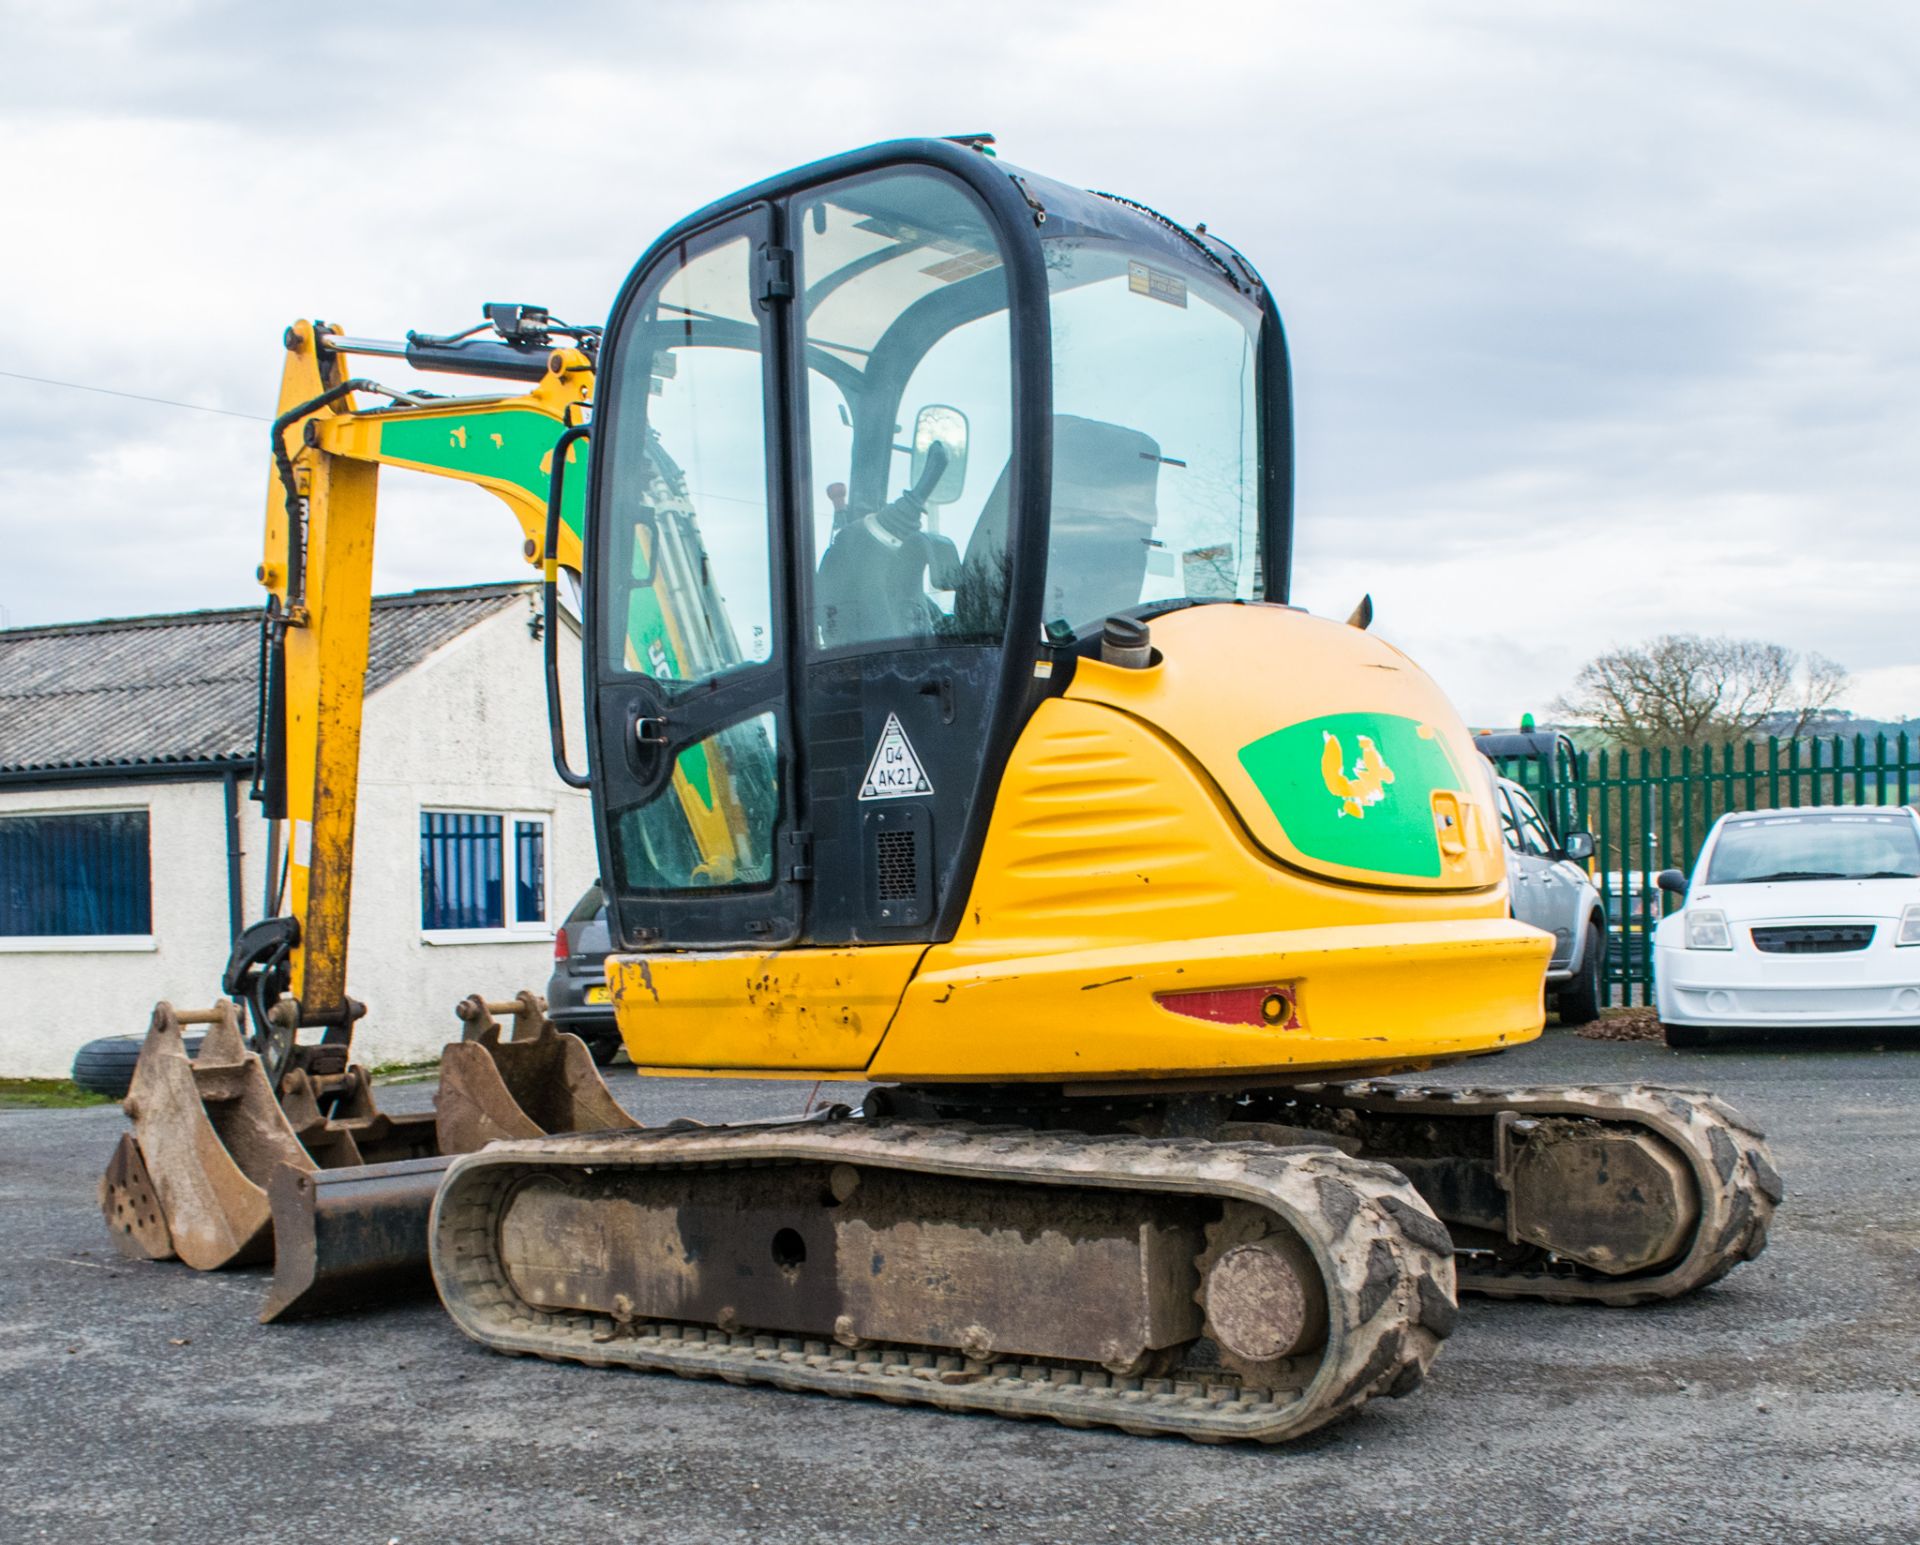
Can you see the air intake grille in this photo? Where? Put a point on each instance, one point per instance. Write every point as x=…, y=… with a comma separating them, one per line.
x=893, y=857
x=1813, y=941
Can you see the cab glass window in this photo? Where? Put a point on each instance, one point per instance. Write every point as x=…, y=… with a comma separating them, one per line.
x=715, y=825
x=1156, y=461
x=685, y=565
x=903, y=305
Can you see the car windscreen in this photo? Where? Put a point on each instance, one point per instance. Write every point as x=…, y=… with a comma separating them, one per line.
x=1868, y=846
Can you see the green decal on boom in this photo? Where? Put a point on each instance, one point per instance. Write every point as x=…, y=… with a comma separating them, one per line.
x=510, y=444
x=1356, y=789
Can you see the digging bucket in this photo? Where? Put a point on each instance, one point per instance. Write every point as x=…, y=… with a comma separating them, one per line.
x=217, y=1171
x=538, y=1083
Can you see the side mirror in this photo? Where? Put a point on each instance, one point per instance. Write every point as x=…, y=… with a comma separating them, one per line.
x=1578, y=846
x=937, y=424
x=1673, y=880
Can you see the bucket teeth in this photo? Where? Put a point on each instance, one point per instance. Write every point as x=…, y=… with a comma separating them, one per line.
x=132, y=1209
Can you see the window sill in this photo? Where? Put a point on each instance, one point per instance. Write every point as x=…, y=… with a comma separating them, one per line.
x=441, y=936
x=78, y=944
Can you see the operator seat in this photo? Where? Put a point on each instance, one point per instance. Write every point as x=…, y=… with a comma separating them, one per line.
x=1105, y=479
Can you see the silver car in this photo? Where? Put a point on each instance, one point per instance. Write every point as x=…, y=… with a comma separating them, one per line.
x=1552, y=892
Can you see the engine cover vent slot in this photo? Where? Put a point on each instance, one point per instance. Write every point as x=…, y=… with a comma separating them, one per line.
x=899, y=865
x=893, y=859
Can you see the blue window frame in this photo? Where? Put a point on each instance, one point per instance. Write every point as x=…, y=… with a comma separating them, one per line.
x=469, y=870
x=87, y=874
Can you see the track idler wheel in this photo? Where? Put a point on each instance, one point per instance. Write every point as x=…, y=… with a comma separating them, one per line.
x=1265, y=1299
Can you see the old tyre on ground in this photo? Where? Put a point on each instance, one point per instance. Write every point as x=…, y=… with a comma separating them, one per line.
x=105, y=1066
x=1579, y=1000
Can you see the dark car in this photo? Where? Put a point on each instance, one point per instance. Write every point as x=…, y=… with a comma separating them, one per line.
x=577, y=997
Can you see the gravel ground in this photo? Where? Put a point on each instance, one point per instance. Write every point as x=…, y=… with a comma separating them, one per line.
x=142, y=1402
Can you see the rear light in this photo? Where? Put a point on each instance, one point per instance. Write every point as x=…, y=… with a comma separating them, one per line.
x=1276, y=1007
x=560, y=944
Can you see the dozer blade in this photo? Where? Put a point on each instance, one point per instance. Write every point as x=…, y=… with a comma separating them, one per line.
x=539, y=1083
x=357, y=1235
x=207, y=1135
x=350, y=1237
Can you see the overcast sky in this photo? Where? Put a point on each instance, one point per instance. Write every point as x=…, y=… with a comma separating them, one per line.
x=1605, y=317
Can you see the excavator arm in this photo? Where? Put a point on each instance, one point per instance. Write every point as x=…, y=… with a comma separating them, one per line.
x=259, y=1143
x=331, y=437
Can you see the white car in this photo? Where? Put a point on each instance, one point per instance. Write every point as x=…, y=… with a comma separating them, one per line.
x=1807, y=917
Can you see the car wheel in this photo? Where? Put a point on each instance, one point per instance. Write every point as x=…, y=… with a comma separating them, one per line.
x=1579, y=1001
x=1687, y=1035
x=604, y=1050
x=105, y=1066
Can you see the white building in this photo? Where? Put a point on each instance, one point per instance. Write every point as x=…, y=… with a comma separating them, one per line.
x=130, y=853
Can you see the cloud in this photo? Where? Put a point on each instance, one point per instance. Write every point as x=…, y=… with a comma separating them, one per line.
x=1602, y=315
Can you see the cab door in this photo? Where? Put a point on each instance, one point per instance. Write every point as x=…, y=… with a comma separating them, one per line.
x=693, y=744
x=910, y=684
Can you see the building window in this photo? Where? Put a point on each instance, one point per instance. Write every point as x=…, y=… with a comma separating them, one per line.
x=481, y=871
x=73, y=876
x=529, y=871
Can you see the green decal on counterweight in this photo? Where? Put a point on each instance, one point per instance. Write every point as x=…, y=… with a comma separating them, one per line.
x=1356, y=789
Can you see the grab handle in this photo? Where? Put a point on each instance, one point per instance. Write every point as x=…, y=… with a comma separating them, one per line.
x=556, y=727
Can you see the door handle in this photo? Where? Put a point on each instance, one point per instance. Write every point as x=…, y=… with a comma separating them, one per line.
x=650, y=732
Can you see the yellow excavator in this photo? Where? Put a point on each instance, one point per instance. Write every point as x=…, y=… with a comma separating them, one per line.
x=949, y=730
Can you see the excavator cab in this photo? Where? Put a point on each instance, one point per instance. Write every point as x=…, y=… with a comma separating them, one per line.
x=933, y=422
x=977, y=497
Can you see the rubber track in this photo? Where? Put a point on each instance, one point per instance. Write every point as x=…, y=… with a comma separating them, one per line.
x=1376, y=1240
x=1739, y=1187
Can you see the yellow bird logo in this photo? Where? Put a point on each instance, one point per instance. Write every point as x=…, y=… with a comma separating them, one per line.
x=1365, y=785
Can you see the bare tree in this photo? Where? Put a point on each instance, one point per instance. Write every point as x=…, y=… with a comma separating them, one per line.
x=1684, y=690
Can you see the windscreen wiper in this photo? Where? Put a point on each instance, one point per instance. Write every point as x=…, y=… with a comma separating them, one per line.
x=1791, y=874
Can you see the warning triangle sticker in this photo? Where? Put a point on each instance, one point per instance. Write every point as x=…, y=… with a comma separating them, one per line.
x=894, y=772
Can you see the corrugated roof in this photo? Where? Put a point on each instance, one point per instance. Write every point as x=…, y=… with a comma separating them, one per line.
x=182, y=687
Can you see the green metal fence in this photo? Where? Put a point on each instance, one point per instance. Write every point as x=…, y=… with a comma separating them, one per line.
x=1650, y=810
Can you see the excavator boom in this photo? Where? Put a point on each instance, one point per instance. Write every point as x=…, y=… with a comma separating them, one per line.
x=265, y=1145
